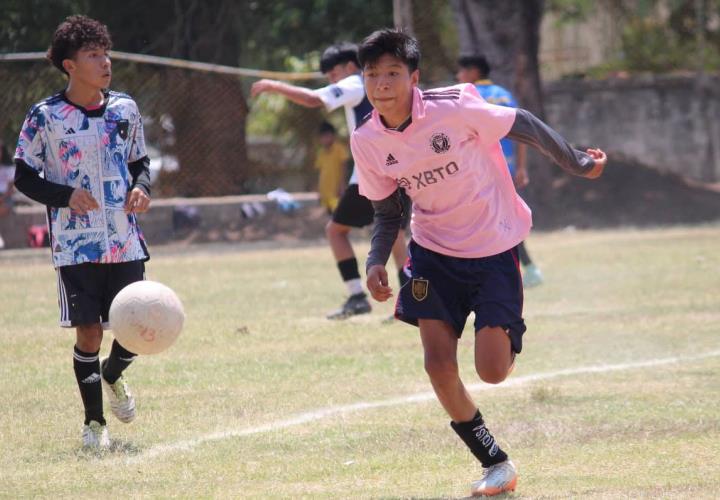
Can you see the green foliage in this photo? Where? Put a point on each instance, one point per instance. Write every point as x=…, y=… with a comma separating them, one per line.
x=569, y=11
x=651, y=41
x=652, y=46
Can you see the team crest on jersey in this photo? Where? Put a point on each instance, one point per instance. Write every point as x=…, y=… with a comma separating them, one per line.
x=440, y=143
x=337, y=92
x=123, y=126
x=420, y=289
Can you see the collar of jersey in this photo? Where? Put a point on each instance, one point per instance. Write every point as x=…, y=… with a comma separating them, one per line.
x=90, y=113
x=485, y=81
x=417, y=113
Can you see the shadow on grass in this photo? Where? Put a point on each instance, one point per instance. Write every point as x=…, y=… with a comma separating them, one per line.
x=117, y=447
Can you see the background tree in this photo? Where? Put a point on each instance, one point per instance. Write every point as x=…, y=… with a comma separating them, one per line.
x=508, y=34
x=206, y=114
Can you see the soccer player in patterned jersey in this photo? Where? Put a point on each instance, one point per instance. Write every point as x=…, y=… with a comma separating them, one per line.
x=475, y=69
x=339, y=64
x=467, y=222
x=82, y=153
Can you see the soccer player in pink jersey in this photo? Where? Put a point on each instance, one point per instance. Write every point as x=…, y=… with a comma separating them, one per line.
x=442, y=146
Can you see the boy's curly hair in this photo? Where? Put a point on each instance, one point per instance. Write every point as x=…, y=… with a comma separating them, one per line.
x=76, y=33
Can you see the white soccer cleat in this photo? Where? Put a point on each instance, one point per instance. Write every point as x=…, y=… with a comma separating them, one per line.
x=532, y=276
x=95, y=435
x=122, y=402
x=497, y=479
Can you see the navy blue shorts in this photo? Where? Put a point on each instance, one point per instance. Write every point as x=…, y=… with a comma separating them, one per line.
x=450, y=288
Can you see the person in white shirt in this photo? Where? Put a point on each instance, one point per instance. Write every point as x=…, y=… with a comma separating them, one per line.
x=339, y=64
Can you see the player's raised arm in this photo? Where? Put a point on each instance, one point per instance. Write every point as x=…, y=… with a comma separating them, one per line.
x=528, y=129
x=299, y=95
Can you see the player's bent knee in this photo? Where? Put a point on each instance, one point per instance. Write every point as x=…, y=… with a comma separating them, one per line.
x=492, y=374
x=333, y=229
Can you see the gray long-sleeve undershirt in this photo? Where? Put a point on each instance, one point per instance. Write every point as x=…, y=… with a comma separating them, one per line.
x=527, y=129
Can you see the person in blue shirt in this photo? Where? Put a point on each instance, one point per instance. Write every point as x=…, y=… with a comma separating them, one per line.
x=475, y=69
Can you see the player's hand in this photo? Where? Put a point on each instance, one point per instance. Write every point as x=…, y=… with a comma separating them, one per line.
x=82, y=201
x=521, y=178
x=377, y=283
x=600, y=161
x=261, y=86
x=137, y=201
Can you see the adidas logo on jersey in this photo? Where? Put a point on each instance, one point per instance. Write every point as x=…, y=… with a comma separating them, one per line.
x=390, y=160
x=91, y=379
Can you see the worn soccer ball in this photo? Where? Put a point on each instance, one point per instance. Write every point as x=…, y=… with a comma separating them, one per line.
x=146, y=317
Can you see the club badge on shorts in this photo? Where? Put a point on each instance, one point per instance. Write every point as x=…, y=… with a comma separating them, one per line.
x=420, y=289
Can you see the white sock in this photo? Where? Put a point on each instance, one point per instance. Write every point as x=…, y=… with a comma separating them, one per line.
x=354, y=286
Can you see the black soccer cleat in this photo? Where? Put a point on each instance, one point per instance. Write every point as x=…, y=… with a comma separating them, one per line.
x=355, y=304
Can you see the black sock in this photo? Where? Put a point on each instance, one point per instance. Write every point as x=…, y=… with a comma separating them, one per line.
x=87, y=373
x=349, y=269
x=525, y=259
x=478, y=438
x=119, y=359
x=402, y=277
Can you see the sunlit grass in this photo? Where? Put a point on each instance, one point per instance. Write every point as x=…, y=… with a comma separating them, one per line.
x=257, y=350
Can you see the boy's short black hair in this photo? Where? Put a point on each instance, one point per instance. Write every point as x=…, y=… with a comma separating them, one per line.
x=477, y=61
x=390, y=41
x=339, y=53
x=326, y=128
x=76, y=33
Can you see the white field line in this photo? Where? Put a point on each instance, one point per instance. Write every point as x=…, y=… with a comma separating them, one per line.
x=421, y=397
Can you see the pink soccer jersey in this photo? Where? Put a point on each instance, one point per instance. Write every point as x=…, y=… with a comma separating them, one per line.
x=450, y=163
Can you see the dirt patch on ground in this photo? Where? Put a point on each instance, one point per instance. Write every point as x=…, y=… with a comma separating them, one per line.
x=628, y=194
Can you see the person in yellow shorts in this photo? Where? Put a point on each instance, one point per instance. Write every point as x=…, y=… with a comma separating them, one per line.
x=331, y=159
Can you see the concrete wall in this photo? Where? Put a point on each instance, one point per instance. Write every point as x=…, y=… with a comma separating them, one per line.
x=227, y=218
x=664, y=122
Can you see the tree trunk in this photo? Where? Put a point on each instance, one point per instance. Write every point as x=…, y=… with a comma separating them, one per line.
x=403, y=15
x=508, y=34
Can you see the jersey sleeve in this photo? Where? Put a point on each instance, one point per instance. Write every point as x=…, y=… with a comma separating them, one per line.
x=348, y=91
x=490, y=121
x=372, y=183
x=137, y=146
x=31, y=147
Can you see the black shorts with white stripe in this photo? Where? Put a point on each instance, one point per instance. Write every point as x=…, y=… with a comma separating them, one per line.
x=85, y=291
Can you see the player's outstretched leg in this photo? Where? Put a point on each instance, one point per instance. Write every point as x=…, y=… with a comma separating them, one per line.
x=122, y=402
x=494, y=360
x=440, y=345
x=86, y=365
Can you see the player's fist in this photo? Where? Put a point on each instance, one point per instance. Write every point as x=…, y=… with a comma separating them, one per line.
x=261, y=86
x=82, y=201
x=377, y=283
x=600, y=161
x=137, y=201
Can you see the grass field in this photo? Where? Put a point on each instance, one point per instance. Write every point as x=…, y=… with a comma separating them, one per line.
x=262, y=397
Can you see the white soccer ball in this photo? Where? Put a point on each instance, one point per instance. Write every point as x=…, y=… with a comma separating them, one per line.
x=146, y=317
